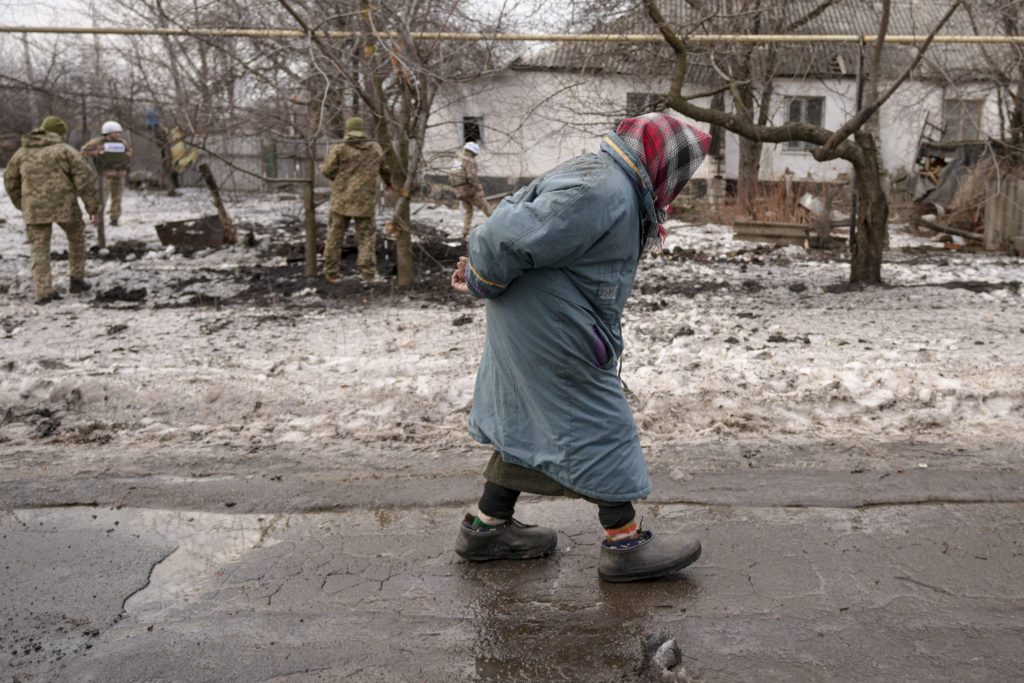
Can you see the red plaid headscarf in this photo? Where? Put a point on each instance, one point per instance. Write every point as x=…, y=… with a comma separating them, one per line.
x=670, y=150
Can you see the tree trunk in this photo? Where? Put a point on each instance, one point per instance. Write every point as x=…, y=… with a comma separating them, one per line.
x=403, y=221
x=403, y=244
x=309, y=188
x=747, y=177
x=872, y=216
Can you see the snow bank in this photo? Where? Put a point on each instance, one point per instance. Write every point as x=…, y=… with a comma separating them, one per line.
x=724, y=340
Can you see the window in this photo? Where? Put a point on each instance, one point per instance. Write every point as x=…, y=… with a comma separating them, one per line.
x=804, y=110
x=472, y=129
x=962, y=120
x=638, y=103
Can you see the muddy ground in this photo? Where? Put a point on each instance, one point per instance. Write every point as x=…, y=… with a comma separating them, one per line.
x=213, y=468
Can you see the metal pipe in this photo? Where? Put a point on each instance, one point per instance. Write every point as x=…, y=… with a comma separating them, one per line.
x=510, y=37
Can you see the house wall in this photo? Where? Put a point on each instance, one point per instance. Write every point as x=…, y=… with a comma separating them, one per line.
x=776, y=160
x=532, y=121
x=536, y=120
x=901, y=120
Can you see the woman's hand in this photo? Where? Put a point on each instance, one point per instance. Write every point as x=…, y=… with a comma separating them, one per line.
x=459, y=277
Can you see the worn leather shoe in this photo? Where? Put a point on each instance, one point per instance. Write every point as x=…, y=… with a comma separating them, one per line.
x=646, y=557
x=513, y=540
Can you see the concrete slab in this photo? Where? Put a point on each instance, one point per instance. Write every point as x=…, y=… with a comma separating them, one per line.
x=64, y=580
x=888, y=592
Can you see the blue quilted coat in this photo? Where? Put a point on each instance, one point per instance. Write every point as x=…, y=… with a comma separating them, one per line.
x=556, y=263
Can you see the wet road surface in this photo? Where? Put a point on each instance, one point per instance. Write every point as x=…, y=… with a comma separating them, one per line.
x=915, y=590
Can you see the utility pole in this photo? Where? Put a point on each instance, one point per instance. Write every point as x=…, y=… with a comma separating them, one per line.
x=33, y=101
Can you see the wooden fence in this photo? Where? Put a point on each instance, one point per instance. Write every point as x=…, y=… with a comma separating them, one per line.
x=1004, y=218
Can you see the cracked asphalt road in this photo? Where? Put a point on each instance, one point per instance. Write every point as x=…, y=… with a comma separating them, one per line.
x=915, y=575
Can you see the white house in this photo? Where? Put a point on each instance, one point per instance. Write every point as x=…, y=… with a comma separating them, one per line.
x=554, y=103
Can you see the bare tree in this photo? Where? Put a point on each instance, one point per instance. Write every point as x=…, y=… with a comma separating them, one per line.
x=393, y=80
x=749, y=70
x=872, y=205
x=1004, y=65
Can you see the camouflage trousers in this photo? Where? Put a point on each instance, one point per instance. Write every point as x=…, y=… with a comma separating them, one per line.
x=113, y=186
x=366, y=236
x=469, y=201
x=39, y=237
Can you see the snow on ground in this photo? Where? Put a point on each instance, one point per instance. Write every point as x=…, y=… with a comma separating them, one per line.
x=725, y=341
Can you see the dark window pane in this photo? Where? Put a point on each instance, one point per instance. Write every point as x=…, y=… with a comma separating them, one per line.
x=971, y=119
x=638, y=103
x=804, y=110
x=814, y=110
x=962, y=119
x=472, y=129
x=796, y=111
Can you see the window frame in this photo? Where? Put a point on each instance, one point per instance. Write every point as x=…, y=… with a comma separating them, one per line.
x=963, y=107
x=802, y=146
x=646, y=102
x=468, y=124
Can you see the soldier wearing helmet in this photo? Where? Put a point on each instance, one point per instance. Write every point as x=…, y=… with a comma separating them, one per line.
x=466, y=184
x=111, y=154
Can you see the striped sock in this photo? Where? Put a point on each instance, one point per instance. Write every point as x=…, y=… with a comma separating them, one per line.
x=627, y=532
x=487, y=522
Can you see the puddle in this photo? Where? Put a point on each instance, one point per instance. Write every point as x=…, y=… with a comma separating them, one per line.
x=204, y=541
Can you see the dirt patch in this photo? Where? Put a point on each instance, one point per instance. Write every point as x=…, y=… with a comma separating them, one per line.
x=981, y=287
x=434, y=254
x=684, y=288
x=434, y=257
x=978, y=286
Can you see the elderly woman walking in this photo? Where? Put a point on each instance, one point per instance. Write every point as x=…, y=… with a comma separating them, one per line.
x=556, y=263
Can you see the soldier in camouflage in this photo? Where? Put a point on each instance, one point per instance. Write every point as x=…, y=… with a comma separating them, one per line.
x=467, y=186
x=44, y=179
x=352, y=166
x=111, y=154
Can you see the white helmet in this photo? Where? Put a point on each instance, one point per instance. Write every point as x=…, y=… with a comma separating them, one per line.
x=471, y=147
x=111, y=127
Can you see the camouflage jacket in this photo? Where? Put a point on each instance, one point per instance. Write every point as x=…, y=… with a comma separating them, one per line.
x=352, y=166
x=46, y=177
x=462, y=176
x=112, y=156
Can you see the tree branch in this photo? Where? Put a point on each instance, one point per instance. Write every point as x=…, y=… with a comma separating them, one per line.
x=734, y=122
x=810, y=16
x=854, y=124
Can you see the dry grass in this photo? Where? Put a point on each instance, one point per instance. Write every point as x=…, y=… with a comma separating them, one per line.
x=773, y=203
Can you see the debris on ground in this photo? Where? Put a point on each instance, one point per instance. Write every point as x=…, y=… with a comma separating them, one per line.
x=193, y=234
x=120, y=293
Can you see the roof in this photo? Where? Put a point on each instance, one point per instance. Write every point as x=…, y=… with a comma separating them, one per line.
x=802, y=17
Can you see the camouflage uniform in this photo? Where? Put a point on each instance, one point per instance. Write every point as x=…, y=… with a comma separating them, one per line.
x=114, y=172
x=352, y=166
x=44, y=179
x=468, y=188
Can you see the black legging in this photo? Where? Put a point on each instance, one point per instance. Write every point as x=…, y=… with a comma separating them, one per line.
x=498, y=501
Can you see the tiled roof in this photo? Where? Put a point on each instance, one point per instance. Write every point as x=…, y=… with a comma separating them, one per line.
x=841, y=17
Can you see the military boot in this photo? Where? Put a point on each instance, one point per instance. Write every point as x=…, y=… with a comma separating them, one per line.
x=512, y=540
x=78, y=285
x=645, y=557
